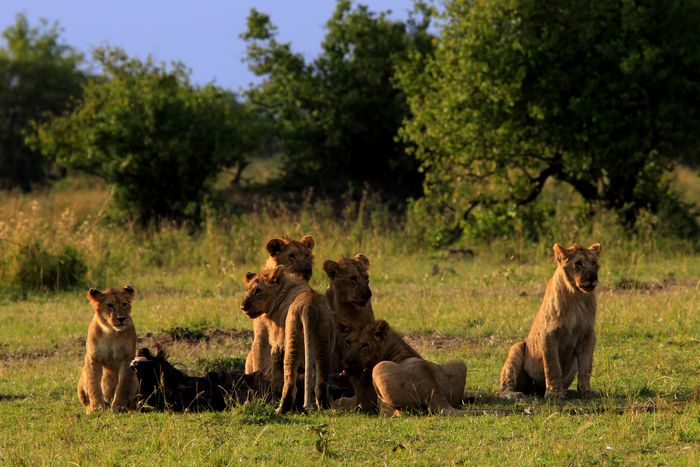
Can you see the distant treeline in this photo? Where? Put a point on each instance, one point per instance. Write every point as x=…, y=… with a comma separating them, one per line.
x=456, y=117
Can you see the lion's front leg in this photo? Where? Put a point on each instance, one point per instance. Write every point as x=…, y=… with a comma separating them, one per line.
x=552, y=367
x=93, y=382
x=125, y=389
x=110, y=378
x=585, y=366
x=258, y=359
x=289, y=389
x=513, y=372
x=277, y=371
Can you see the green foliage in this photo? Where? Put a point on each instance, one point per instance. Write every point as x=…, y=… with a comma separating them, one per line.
x=38, y=75
x=603, y=97
x=150, y=134
x=33, y=266
x=336, y=118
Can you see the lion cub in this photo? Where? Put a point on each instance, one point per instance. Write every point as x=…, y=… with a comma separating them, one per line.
x=297, y=257
x=111, y=343
x=393, y=376
x=299, y=321
x=562, y=337
x=349, y=293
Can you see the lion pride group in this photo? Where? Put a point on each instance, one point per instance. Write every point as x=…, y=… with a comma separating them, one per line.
x=350, y=360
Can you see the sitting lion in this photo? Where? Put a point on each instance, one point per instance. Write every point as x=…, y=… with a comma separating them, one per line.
x=297, y=257
x=348, y=292
x=162, y=386
x=561, y=340
x=111, y=341
x=393, y=376
x=299, y=322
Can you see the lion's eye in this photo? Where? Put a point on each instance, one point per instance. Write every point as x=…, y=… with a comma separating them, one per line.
x=354, y=280
x=364, y=346
x=124, y=305
x=256, y=291
x=348, y=344
x=578, y=264
x=110, y=307
x=292, y=256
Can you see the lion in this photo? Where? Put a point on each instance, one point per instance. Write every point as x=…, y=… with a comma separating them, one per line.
x=349, y=293
x=297, y=257
x=299, y=321
x=561, y=341
x=106, y=379
x=350, y=298
x=162, y=386
x=374, y=356
x=392, y=376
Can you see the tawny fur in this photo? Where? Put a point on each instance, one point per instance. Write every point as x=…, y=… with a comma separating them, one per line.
x=562, y=338
x=350, y=298
x=348, y=292
x=297, y=257
x=391, y=375
x=106, y=380
x=299, y=322
x=418, y=384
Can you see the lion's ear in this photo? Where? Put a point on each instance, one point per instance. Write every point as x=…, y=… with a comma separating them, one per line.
x=363, y=260
x=129, y=290
x=275, y=246
x=560, y=253
x=308, y=241
x=94, y=295
x=595, y=249
x=331, y=268
x=380, y=329
x=248, y=277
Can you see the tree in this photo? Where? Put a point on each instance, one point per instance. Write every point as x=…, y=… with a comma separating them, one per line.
x=158, y=140
x=38, y=75
x=336, y=118
x=601, y=95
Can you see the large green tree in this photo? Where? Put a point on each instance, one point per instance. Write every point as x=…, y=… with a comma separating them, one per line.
x=152, y=135
x=38, y=75
x=604, y=96
x=336, y=118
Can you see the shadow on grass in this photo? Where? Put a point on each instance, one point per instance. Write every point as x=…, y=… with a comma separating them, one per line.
x=12, y=397
x=643, y=401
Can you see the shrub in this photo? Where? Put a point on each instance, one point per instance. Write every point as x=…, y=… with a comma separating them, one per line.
x=34, y=267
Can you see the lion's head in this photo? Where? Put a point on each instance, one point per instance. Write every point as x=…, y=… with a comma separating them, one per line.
x=350, y=279
x=580, y=265
x=296, y=256
x=262, y=289
x=113, y=307
x=362, y=345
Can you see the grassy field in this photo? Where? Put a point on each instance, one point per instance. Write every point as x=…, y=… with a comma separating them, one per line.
x=646, y=363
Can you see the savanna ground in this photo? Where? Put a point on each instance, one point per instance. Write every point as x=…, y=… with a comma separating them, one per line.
x=449, y=305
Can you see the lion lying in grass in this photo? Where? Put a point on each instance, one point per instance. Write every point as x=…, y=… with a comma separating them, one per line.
x=162, y=386
x=394, y=377
x=561, y=341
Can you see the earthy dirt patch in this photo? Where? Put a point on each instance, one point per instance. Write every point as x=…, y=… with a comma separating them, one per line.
x=435, y=341
x=194, y=337
x=628, y=283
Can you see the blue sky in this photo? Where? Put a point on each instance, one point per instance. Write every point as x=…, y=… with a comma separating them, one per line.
x=203, y=34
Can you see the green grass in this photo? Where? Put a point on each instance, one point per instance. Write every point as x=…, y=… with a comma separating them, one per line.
x=646, y=363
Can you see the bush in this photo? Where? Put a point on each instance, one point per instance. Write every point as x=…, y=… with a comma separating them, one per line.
x=34, y=267
x=155, y=138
